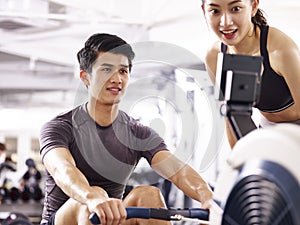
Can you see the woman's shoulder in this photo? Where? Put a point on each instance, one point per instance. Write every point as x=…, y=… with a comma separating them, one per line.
x=282, y=50
x=276, y=31
x=212, y=52
x=211, y=59
x=279, y=40
x=214, y=48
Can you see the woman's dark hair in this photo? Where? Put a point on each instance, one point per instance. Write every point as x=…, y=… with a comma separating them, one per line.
x=102, y=42
x=259, y=18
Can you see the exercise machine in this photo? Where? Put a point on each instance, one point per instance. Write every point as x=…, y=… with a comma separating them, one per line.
x=261, y=182
x=238, y=90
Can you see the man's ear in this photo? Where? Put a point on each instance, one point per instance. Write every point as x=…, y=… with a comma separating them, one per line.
x=202, y=7
x=84, y=76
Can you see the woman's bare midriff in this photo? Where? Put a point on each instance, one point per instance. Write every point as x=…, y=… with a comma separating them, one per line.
x=289, y=114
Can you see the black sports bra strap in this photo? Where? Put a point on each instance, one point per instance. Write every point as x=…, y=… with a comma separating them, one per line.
x=263, y=45
x=223, y=48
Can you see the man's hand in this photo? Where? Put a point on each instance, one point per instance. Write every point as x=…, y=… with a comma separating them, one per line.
x=110, y=211
x=206, y=195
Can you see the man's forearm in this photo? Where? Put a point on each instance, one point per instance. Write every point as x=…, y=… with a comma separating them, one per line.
x=182, y=175
x=192, y=184
x=75, y=185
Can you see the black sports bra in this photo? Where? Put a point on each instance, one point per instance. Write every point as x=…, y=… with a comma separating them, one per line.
x=275, y=95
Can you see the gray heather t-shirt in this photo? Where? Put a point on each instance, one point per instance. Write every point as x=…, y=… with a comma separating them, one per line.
x=105, y=155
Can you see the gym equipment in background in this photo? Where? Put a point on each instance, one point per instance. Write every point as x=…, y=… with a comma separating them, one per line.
x=30, y=182
x=16, y=218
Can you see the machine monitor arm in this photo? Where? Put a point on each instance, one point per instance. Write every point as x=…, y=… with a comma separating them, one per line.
x=238, y=87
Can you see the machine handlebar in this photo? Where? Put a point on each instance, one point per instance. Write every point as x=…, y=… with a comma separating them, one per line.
x=159, y=213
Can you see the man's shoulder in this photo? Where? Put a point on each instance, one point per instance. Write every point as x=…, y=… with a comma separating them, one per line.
x=125, y=118
x=137, y=128
x=65, y=117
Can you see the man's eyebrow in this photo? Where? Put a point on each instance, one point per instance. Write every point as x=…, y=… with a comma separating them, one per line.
x=111, y=65
x=106, y=64
x=123, y=65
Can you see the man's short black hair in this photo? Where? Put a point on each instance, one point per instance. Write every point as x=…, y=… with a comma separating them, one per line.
x=102, y=42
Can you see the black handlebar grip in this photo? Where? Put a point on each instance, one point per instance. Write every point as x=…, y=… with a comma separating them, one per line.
x=202, y=214
x=132, y=212
x=94, y=219
x=158, y=213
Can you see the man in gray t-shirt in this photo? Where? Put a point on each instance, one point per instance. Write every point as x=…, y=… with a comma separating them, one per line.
x=90, y=152
x=103, y=154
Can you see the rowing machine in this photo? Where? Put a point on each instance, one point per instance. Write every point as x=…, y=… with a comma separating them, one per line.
x=261, y=181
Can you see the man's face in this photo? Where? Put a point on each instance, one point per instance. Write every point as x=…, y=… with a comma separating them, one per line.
x=109, y=77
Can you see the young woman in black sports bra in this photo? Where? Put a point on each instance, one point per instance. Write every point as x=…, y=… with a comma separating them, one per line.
x=242, y=29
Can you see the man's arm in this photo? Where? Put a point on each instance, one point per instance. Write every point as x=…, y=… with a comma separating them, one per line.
x=183, y=176
x=61, y=165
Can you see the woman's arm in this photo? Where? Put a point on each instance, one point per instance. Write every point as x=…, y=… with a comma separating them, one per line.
x=211, y=67
x=211, y=59
x=285, y=59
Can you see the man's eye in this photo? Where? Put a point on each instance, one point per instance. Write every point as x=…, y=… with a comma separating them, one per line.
x=123, y=71
x=106, y=69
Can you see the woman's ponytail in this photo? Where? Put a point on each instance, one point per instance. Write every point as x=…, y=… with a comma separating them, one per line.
x=259, y=18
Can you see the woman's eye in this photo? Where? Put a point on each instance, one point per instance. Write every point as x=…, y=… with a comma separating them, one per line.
x=236, y=8
x=214, y=11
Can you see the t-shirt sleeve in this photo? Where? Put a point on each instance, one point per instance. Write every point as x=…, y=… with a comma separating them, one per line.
x=148, y=155
x=54, y=134
x=150, y=142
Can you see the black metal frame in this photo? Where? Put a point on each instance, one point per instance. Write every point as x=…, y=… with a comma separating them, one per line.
x=238, y=86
